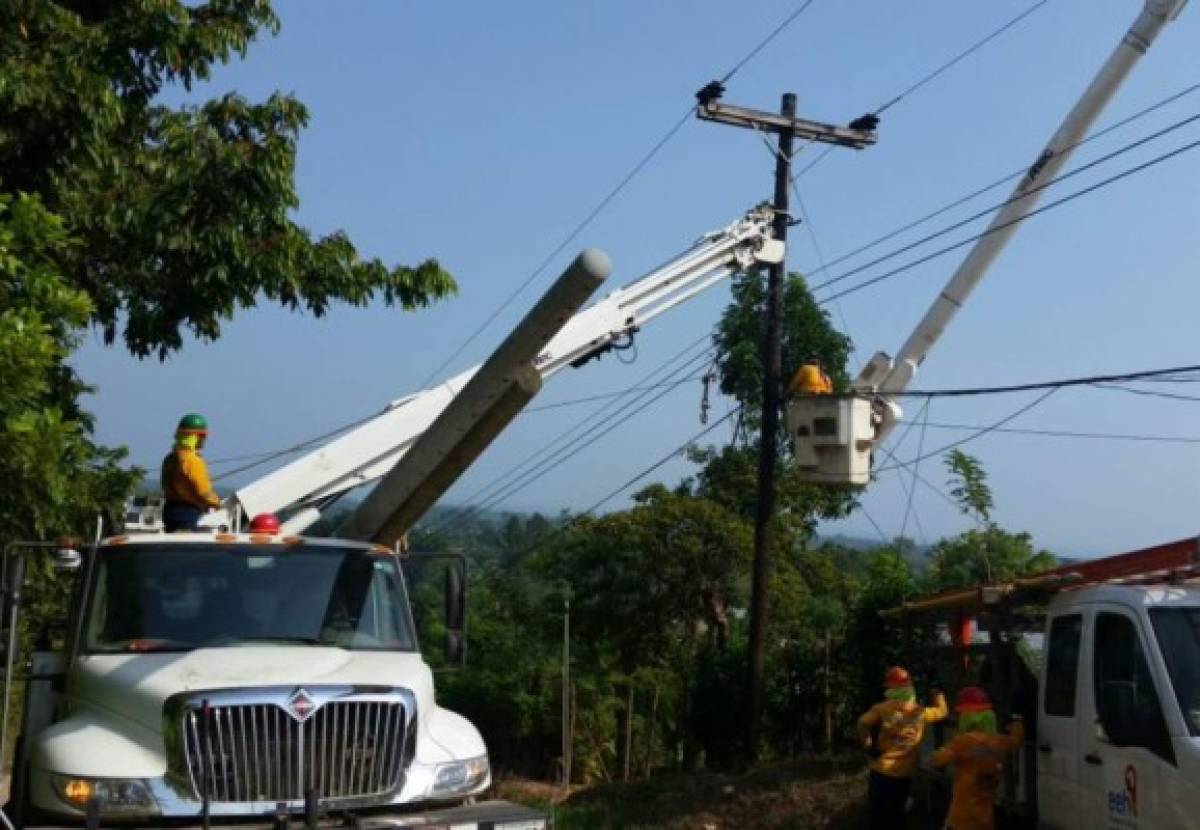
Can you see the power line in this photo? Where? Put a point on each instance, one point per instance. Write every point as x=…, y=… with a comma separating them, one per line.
x=604, y=396
x=1066, y=433
x=1001, y=181
x=612, y=194
x=762, y=44
x=977, y=434
x=1043, y=209
x=924, y=416
x=660, y=462
x=569, y=450
x=970, y=50
x=1011, y=200
x=1088, y=380
x=1146, y=392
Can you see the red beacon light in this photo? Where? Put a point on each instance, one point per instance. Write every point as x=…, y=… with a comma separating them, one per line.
x=267, y=523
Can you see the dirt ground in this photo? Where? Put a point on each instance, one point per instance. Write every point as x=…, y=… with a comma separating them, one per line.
x=818, y=794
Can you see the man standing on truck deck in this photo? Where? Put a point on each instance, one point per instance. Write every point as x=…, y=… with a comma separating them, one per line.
x=977, y=754
x=185, y=480
x=891, y=732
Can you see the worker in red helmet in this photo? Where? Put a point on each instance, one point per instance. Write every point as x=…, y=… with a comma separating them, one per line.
x=891, y=732
x=185, y=482
x=977, y=753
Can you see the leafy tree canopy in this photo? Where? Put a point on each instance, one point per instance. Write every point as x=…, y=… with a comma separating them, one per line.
x=182, y=215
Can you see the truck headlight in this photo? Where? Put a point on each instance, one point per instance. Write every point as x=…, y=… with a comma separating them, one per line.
x=459, y=777
x=117, y=796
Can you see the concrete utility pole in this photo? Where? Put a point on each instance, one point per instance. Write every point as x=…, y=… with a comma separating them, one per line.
x=788, y=128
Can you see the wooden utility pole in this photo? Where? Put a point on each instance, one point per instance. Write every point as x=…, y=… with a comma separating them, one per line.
x=567, y=714
x=787, y=128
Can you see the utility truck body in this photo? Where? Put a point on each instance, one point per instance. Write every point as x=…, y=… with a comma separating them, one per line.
x=245, y=677
x=1114, y=701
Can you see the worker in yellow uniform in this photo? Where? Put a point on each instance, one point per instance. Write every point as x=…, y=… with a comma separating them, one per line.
x=186, y=485
x=977, y=754
x=891, y=732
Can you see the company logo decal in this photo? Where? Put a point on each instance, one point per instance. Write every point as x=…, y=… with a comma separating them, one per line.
x=1123, y=802
x=300, y=705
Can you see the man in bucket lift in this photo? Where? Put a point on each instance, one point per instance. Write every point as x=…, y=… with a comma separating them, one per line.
x=185, y=480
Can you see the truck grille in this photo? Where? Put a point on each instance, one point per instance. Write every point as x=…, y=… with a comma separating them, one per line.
x=260, y=752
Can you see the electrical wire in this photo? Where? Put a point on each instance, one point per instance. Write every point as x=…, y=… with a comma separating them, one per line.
x=1147, y=392
x=566, y=452
x=1065, y=433
x=666, y=458
x=1170, y=99
x=929, y=77
x=908, y=266
x=924, y=416
x=975, y=435
x=605, y=396
x=1012, y=200
x=1088, y=380
x=612, y=194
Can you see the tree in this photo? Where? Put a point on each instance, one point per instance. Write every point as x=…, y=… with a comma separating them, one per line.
x=181, y=214
x=55, y=478
x=968, y=485
x=987, y=553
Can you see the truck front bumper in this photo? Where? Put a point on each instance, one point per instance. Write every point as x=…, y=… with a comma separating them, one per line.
x=484, y=815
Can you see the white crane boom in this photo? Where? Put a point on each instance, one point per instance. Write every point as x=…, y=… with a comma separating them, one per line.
x=834, y=438
x=368, y=451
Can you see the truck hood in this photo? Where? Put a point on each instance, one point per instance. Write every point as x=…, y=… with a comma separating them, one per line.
x=135, y=686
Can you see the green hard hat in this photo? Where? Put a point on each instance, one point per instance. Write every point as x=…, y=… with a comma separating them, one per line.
x=192, y=422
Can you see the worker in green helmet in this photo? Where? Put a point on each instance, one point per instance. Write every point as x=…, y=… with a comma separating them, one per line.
x=186, y=485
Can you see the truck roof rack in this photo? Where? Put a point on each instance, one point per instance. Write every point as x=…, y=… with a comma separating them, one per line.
x=1171, y=562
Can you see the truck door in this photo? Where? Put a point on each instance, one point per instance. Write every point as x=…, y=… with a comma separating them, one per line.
x=1123, y=739
x=1057, y=738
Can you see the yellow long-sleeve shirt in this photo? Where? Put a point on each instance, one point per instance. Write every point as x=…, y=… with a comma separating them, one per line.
x=185, y=479
x=978, y=761
x=901, y=730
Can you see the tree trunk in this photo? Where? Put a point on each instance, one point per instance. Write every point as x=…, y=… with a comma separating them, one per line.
x=650, y=729
x=828, y=696
x=628, y=732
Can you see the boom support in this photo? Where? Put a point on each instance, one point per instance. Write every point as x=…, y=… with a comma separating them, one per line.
x=834, y=438
x=367, y=452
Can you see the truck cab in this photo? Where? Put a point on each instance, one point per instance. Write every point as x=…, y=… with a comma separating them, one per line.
x=244, y=677
x=1118, y=737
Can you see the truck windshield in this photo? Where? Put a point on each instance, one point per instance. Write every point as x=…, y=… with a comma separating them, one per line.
x=180, y=597
x=1178, y=633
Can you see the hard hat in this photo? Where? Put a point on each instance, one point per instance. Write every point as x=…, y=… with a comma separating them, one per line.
x=264, y=523
x=972, y=699
x=192, y=424
x=897, y=678
x=811, y=380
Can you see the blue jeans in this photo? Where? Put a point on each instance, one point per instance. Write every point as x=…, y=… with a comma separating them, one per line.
x=178, y=515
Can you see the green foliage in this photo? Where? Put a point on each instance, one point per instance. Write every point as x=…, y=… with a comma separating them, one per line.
x=807, y=333
x=968, y=485
x=182, y=215
x=985, y=555
x=55, y=478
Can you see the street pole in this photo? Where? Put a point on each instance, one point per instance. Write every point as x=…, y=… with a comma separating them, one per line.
x=772, y=359
x=787, y=127
x=566, y=695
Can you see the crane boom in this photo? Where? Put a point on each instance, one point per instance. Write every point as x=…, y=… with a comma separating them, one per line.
x=366, y=453
x=834, y=438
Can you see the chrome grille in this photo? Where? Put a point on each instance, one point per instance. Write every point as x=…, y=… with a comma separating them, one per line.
x=259, y=752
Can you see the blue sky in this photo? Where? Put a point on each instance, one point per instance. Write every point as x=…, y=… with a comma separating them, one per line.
x=482, y=133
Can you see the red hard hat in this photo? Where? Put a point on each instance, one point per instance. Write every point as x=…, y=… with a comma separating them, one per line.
x=972, y=699
x=897, y=678
x=264, y=523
